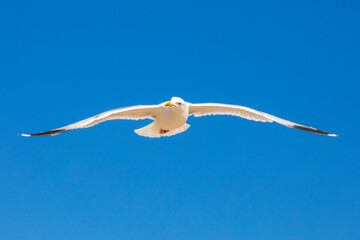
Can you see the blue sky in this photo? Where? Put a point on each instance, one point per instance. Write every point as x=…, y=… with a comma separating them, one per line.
x=224, y=178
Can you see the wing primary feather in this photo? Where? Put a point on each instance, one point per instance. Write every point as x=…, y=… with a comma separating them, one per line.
x=47, y=133
x=314, y=130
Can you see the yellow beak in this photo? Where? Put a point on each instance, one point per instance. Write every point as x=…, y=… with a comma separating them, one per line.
x=169, y=104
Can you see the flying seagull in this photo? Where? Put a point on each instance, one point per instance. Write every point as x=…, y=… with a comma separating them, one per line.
x=170, y=118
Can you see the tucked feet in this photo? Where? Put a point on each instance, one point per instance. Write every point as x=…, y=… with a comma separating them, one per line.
x=162, y=131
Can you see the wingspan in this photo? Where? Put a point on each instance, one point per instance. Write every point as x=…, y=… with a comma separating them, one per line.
x=130, y=113
x=205, y=109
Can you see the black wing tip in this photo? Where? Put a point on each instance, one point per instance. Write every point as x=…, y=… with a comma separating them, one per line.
x=314, y=130
x=52, y=132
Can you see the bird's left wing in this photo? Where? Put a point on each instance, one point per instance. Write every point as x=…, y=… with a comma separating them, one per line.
x=205, y=109
x=130, y=113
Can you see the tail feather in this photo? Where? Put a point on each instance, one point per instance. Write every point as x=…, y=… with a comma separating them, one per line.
x=154, y=131
x=181, y=129
x=150, y=131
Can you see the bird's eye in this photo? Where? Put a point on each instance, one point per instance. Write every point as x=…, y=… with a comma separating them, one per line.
x=179, y=103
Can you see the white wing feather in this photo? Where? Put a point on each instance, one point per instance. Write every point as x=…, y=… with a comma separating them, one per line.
x=205, y=109
x=129, y=113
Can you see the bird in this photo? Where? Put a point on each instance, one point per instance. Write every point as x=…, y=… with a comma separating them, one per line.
x=170, y=118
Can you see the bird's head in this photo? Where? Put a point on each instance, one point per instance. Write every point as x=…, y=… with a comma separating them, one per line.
x=176, y=102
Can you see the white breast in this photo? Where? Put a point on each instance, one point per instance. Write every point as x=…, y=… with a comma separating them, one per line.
x=172, y=118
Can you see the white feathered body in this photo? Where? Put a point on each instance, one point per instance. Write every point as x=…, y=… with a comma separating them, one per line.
x=170, y=121
x=172, y=118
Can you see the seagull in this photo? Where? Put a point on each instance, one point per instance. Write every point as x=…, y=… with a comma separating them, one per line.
x=170, y=118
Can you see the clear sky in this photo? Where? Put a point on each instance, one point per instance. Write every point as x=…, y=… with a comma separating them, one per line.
x=225, y=177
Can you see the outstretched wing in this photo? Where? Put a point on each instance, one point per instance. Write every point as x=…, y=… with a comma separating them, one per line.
x=205, y=109
x=131, y=113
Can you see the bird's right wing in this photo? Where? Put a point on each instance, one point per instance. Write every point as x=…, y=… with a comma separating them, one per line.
x=205, y=109
x=130, y=113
